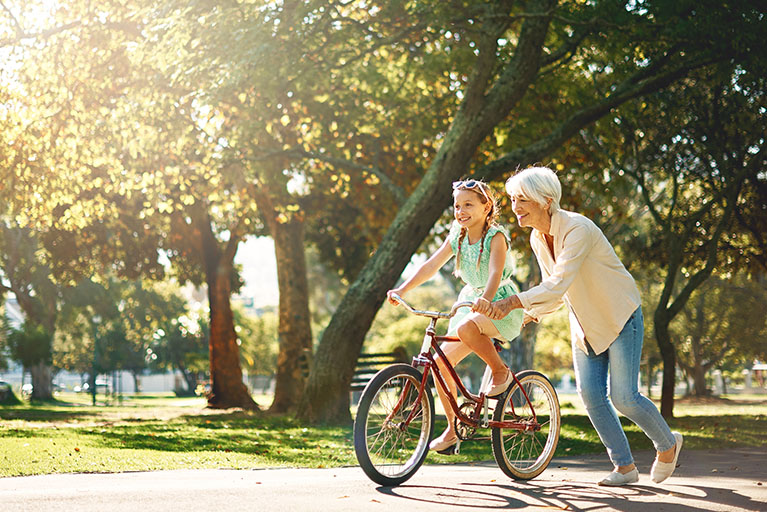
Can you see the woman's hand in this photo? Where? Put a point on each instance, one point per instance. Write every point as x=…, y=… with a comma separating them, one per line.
x=496, y=312
x=482, y=306
x=528, y=319
x=503, y=307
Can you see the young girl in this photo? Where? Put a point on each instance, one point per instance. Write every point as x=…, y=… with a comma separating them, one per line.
x=481, y=247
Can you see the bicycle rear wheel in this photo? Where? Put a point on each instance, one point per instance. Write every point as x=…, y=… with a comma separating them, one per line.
x=524, y=454
x=388, y=451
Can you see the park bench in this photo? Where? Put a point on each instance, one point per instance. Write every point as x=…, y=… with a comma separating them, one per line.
x=369, y=364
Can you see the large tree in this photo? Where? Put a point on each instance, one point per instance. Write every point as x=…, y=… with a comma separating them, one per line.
x=723, y=320
x=28, y=276
x=256, y=127
x=113, y=164
x=691, y=150
x=309, y=100
x=622, y=50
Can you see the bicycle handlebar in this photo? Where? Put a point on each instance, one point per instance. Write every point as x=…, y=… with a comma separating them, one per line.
x=432, y=314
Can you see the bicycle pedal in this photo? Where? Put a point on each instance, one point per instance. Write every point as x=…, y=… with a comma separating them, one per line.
x=451, y=450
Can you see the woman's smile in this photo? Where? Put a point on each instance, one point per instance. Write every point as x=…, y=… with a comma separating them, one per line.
x=531, y=214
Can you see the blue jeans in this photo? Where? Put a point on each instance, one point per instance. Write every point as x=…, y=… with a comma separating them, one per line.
x=622, y=358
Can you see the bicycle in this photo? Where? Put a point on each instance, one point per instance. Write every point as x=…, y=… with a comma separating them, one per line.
x=395, y=414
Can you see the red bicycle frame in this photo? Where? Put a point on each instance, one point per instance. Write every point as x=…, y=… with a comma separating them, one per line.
x=427, y=361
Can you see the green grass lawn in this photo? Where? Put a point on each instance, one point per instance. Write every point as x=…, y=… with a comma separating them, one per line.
x=164, y=432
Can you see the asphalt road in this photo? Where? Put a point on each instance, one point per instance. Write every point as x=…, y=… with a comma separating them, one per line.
x=727, y=480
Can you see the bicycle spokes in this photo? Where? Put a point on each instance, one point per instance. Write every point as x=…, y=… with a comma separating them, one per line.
x=532, y=407
x=393, y=425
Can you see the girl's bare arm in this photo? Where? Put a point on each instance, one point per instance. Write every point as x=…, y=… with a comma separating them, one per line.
x=426, y=271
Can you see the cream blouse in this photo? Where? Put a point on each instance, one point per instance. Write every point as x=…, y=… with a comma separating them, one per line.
x=585, y=274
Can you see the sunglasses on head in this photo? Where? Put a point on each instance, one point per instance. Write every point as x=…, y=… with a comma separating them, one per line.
x=465, y=184
x=470, y=185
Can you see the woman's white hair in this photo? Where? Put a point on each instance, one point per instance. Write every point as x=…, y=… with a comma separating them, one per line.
x=536, y=184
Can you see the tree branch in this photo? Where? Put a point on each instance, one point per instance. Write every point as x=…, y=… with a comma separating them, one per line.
x=484, y=65
x=21, y=34
x=14, y=20
x=634, y=86
x=516, y=77
x=44, y=34
x=713, y=248
x=396, y=191
x=565, y=52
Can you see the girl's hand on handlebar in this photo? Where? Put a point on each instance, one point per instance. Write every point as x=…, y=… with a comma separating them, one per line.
x=482, y=306
x=391, y=299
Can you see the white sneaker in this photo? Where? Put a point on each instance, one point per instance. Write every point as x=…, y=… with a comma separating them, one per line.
x=662, y=470
x=615, y=478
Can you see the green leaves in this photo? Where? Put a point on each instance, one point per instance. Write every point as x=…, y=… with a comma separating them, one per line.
x=30, y=345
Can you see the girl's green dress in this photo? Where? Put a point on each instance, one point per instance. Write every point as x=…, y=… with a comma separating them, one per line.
x=476, y=279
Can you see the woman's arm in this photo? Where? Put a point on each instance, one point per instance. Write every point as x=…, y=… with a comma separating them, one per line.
x=547, y=296
x=427, y=269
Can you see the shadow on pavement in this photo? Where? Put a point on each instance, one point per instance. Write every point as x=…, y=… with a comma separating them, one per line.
x=711, y=480
x=576, y=497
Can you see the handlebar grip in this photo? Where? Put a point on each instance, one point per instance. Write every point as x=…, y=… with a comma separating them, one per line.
x=431, y=314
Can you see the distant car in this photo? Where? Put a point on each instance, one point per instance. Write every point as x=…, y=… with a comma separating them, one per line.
x=101, y=387
x=4, y=386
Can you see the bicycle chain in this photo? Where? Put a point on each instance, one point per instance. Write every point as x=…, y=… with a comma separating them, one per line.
x=462, y=430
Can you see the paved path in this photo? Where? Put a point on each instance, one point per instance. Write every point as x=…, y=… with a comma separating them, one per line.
x=731, y=480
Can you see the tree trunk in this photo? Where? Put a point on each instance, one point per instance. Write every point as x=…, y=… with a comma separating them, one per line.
x=668, y=357
x=699, y=380
x=295, y=331
x=136, y=382
x=42, y=381
x=190, y=379
x=650, y=375
x=326, y=397
x=521, y=354
x=227, y=388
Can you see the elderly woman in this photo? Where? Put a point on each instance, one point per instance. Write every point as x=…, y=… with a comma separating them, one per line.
x=581, y=270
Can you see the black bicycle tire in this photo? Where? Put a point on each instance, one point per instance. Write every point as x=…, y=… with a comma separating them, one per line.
x=550, y=446
x=362, y=437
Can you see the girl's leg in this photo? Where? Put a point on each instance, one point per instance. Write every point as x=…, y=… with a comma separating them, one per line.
x=455, y=352
x=624, y=354
x=591, y=382
x=476, y=332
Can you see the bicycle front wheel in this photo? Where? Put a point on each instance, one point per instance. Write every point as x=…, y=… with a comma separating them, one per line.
x=388, y=450
x=524, y=454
